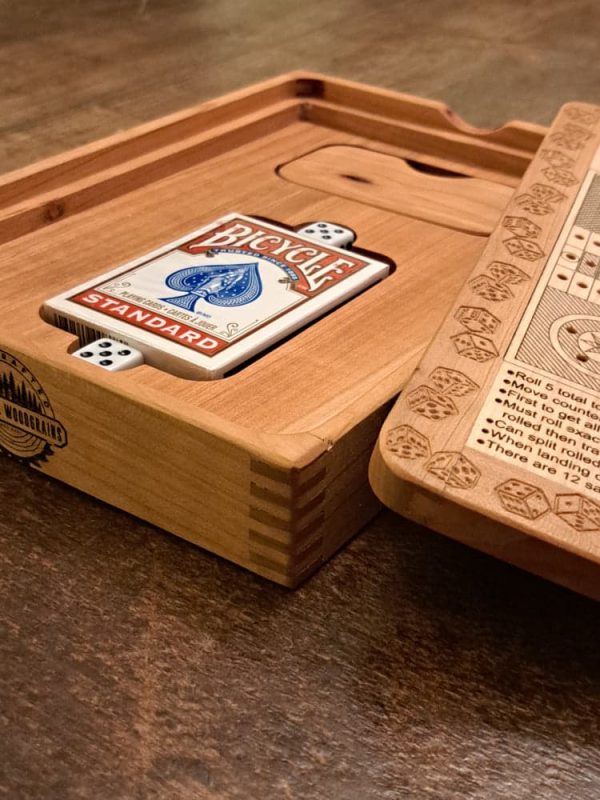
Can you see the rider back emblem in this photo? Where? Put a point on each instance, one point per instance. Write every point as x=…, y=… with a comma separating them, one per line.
x=227, y=285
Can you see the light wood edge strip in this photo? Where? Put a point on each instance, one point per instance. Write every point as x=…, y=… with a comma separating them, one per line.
x=50, y=207
x=502, y=163
x=97, y=156
x=432, y=113
x=267, y=493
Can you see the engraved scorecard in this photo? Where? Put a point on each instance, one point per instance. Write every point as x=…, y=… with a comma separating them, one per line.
x=496, y=437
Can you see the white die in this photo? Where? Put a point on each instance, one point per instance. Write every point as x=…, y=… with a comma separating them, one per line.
x=110, y=355
x=329, y=233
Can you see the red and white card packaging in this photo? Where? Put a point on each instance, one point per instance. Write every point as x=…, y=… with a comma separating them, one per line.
x=205, y=303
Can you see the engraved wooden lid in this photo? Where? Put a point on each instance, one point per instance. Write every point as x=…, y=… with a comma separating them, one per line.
x=496, y=437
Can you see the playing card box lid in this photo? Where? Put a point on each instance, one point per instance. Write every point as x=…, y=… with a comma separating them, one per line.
x=201, y=305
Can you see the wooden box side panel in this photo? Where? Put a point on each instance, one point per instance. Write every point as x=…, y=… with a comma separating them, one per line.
x=247, y=503
x=201, y=485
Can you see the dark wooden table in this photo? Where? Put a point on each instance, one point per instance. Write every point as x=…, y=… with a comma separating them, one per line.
x=133, y=665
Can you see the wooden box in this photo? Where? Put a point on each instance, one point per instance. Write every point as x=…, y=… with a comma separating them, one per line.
x=268, y=466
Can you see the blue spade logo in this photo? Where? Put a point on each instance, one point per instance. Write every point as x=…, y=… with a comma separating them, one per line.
x=228, y=286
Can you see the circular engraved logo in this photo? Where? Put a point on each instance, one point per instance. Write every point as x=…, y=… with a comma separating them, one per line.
x=29, y=431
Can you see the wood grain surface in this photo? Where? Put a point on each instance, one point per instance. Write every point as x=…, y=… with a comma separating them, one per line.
x=134, y=665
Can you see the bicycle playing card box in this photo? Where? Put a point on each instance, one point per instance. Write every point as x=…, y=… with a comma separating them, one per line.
x=495, y=440
x=264, y=459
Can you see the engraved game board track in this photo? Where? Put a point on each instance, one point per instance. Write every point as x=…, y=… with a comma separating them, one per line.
x=536, y=348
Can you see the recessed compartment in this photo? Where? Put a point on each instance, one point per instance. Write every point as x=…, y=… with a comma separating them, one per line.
x=408, y=187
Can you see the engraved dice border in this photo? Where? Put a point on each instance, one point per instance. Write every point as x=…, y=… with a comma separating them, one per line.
x=584, y=115
x=539, y=199
x=529, y=501
x=493, y=286
x=435, y=401
x=454, y=469
x=476, y=319
x=579, y=512
x=407, y=442
x=474, y=347
x=521, y=227
x=522, y=498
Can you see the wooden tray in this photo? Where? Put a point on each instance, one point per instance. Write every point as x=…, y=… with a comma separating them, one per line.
x=267, y=467
x=495, y=439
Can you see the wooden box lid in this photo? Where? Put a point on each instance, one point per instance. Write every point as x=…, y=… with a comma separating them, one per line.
x=495, y=440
